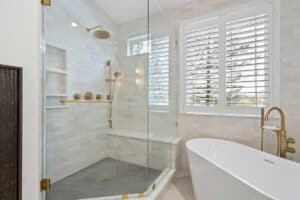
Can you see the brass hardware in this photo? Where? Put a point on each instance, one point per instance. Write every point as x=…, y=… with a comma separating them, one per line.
x=282, y=140
x=110, y=123
x=77, y=96
x=109, y=97
x=109, y=80
x=290, y=149
x=83, y=101
x=88, y=96
x=98, y=96
x=46, y=2
x=112, y=83
x=141, y=195
x=117, y=75
x=262, y=123
x=45, y=184
x=108, y=63
x=290, y=141
x=124, y=196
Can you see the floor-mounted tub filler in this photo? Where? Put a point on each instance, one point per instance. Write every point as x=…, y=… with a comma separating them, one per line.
x=224, y=170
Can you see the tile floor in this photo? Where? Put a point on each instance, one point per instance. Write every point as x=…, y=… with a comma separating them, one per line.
x=105, y=178
x=179, y=189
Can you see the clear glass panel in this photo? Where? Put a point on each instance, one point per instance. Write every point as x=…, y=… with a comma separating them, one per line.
x=162, y=89
x=96, y=127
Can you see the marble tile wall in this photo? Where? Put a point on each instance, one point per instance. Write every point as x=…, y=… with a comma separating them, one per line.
x=155, y=155
x=75, y=136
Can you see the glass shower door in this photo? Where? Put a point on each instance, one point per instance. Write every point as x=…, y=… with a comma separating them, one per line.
x=95, y=100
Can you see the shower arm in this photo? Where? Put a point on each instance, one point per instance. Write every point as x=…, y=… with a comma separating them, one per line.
x=93, y=28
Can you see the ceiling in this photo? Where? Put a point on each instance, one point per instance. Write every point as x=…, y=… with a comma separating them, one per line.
x=121, y=11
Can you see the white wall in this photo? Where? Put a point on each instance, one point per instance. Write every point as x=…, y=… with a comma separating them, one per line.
x=19, y=46
x=244, y=130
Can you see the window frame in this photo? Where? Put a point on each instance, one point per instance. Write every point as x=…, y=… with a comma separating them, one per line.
x=220, y=19
x=152, y=107
x=138, y=37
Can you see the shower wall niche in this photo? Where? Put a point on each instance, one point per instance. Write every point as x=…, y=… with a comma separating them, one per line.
x=55, y=76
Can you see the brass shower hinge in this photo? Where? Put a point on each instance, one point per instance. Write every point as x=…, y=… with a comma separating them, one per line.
x=46, y=2
x=141, y=195
x=45, y=184
x=124, y=196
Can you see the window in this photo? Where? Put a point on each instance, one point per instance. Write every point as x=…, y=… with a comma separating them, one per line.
x=227, y=63
x=247, y=61
x=202, y=66
x=137, y=45
x=158, y=72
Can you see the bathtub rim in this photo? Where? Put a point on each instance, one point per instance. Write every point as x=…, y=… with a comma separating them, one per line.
x=190, y=149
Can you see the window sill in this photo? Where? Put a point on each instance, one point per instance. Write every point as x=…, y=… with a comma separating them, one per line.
x=226, y=115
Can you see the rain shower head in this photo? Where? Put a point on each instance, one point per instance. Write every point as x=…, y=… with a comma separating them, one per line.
x=99, y=33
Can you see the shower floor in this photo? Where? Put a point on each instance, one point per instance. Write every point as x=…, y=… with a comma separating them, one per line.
x=106, y=178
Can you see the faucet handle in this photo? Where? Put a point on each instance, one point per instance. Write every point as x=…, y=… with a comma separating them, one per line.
x=290, y=140
x=290, y=149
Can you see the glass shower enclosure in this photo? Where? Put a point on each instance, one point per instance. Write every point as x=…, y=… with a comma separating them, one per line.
x=102, y=128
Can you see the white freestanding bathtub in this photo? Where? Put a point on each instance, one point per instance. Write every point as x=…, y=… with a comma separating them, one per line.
x=224, y=170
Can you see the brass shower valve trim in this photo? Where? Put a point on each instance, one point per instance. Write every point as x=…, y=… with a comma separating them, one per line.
x=88, y=98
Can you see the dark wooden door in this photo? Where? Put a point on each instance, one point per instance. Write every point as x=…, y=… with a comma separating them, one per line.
x=10, y=132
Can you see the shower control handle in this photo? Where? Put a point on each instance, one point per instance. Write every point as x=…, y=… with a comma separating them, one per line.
x=290, y=141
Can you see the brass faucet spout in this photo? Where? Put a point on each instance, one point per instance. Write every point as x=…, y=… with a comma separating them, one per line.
x=281, y=114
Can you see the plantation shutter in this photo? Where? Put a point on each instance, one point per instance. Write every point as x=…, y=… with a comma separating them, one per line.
x=201, y=65
x=247, y=61
x=159, y=72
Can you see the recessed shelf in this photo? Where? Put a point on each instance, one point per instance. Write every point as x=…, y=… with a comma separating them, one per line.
x=56, y=95
x=57, y=107
x=57, y=70
x=56, y=76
